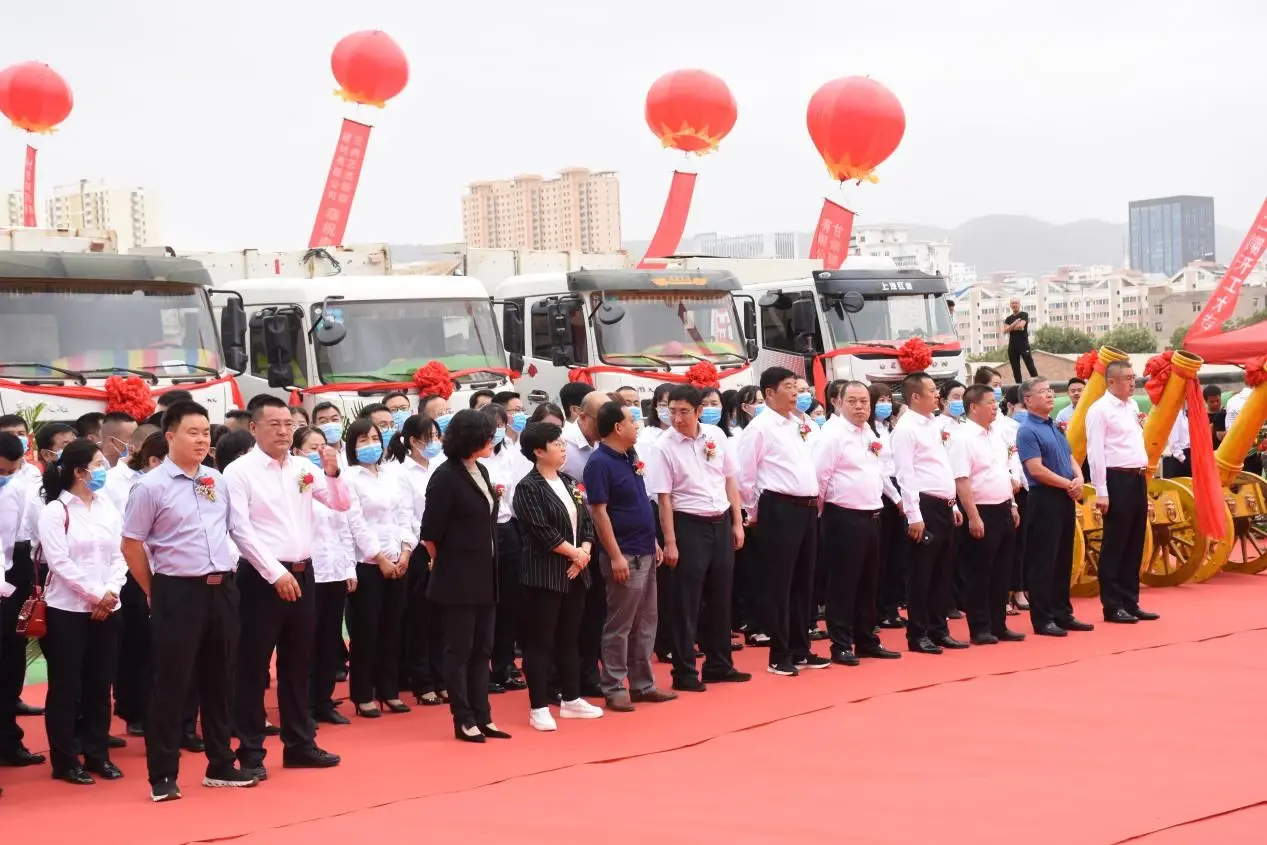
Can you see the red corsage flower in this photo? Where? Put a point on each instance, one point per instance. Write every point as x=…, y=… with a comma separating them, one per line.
x=710, y=450
x=1063, y=426
x=499, y=490
x=639, y=468
x=876, y=446
x=945, y=435
x=805, y=431
x=305, y=482
x=1142, y=419
x=205, y=487
x=578, y=494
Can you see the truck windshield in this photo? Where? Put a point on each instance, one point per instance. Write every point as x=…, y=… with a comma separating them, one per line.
x=679, y=328
x=891, y=318
x=164, y=328
x=390, y=339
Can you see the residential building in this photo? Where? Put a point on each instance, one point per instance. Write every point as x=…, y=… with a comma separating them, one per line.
x=962, y=275
x=13, y=208
x=1179, y=301
x=132, y=213
x=580, y=210
x=894, y=243
x=1169, y=233
x=764, y=245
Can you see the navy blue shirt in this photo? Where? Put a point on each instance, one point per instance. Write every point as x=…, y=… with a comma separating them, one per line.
x=612, y=479
x=1039, y=438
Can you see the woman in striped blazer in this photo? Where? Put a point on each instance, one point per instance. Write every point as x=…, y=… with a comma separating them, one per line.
x=557, y=536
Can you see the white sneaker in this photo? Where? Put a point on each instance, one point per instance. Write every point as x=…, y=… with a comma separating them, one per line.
x=540, y=719
x=579, y=709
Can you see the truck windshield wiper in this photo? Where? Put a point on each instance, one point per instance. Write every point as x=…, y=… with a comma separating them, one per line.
x=77, y=376
x=668, y=368
x=174, y=364
x=738, y=358
x=150, y=377
x=353, y=376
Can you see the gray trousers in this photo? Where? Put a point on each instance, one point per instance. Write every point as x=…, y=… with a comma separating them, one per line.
x=629, y=632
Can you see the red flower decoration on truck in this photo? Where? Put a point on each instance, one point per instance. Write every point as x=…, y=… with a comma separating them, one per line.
x=433, y=377
x=129, y=395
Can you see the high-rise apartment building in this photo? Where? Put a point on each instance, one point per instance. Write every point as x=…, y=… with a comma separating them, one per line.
x=580, y=210
x=1168, y=234
x=763, y=245
x=13, y=208
x=131, y=212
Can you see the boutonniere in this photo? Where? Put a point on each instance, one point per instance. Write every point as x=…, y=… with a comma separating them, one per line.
x=305, y=482
x=578, y=494
x=1142, y=419
x=945, y=435
x=805, y=431
x=499, y=490
x=1063, y=426
x=205, y=487
x=1011, y=450
x=639, y=468
x=876, y=446
x=710, y=450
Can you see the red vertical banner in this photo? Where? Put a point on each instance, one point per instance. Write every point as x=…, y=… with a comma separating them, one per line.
x=672, y=221
x=336, y=198
x=28, y=188
x=831, y=236
x=1222, y=302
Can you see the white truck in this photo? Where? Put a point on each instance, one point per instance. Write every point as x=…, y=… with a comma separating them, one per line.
x=620, y=327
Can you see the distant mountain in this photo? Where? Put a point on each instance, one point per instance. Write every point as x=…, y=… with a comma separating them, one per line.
x=1025, y=244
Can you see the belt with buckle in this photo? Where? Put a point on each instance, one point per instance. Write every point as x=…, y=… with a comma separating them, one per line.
x=867, y=513
x=713, y=519
x=215, y=579
x=800, y=501
x=296, y=566
x=1130, y=470
x=941, y=500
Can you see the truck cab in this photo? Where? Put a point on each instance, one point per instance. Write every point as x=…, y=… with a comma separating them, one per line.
x=621, y=328
x=856, y=318
x=308, y=336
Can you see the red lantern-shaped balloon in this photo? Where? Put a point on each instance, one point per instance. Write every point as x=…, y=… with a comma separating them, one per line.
x=691, y=111
x=856, y=123
x=4, y=90
x=36, y=98
x=370, y=68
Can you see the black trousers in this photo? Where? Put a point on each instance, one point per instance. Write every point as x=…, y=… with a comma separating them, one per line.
x=13, y=650
x=987, y=567
x=702, y=580
x=81, y=657
x=928, y=596
x=135, y=675
x=1122, y=547
x=1171, y=468
x=1014, y=357
x=818, y=592
x=374, y=633
x=853, y=537
x=1017, y=578
x=550, y=622
x=894, y=550
x=1048, y=554
x=195, y=628
x=327, y=642
x=506, y=624
x=745, y=604
x=590, y=638
x=663, y=598
x=468, y=643
x=423, y=662
x=787, y=544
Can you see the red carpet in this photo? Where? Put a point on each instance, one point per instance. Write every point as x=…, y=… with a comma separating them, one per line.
x=1148, y=733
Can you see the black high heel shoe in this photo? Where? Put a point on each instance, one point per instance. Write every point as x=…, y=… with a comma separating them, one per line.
x=428, y=699
x=493, y=733
x=368, y=711
x=398, y=707
x=461, y=734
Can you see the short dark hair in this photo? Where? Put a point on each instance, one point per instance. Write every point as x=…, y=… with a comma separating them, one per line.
x=503, y=397
x=773, y=377
x=424, y=400
x=389, y=397
x=1115, y=368
x=475, y=397
x=546, y=409
x=984, y=375
x=914, y=383
x=265, y=400
x=255, y=400
x=48, y=432
x=171, y=397
x=356, y=429
x=177, y=412
x=536, y=436
x=1083, y=382
x=325, y=406
x=571, y=395
x=468, y=432
x=496, y=412
x=688, y=393
x=238, y=414
x=119, y=417
x=1208, y=392
x=232, y=446
x=59, y=475
x=13, y=421
x=610, y=415
x=977, y=393
x=301, y=410
x=947, y=387
x=302, y=433
x=1012, y=394
x=10, y=446
x=90, y=424
x=372, y=408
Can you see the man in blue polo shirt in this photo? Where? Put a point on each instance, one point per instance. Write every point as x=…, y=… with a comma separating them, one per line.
x=626, y=529
x=1055, y=484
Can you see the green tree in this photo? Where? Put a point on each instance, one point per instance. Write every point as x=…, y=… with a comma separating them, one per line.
x=1130, y=339
x=998, y=353
x=1062, y=341
x=1256, y=317
x=1176, y=337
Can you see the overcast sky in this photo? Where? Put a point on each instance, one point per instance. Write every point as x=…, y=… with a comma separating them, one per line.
x=1062, y=111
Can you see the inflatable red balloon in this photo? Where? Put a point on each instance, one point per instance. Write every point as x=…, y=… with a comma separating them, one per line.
x=691, y=110
x=4, y=90
x=856, y=123
x=370, y=68
x=34, y=97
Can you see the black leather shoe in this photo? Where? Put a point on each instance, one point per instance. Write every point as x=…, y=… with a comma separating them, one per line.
x=461, y=733
x=818, y=634
x=1010, y=636
x=192, y=743
x=1144, y=615
x=955, y=614
x=78, y=776
x=984, y=639
x=1072, y=624
x=924, y=646
x=136, y=729
x=689, y=685
x=493, y=733
x=269, y=730
x=893, y=623
x=18, y=757
x=878, y=652
x=24, y=709
x=515, y=684
x=950, y=642
x=310, y=758
x=330, y=716
x=116, y=742
x=495, y=689
x=844, y=657
x=341, y=676
x=104, y=769
x=1050, y=629
x=734, y=676
x=1120, y=617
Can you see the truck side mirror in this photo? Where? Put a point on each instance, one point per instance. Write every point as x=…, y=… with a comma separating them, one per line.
x=516, y=361
x=750, y=347
x=560, y=357
x=277, y=349
x=804, y=316
x=233, y=335
x=560, y=329
x=852, y=301
x=327, y=332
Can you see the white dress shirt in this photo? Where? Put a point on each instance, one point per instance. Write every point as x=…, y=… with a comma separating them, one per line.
x=774, y=455
x=378, y=514
x=1008, y=428
x=270, y=508
x=922, y=462
x=1115, y=438
x=648, y=451
x=506, y=467
x=84, y=555
x=120, y=480
x=950, y=427
x=685, y=471
x=412, y=478
x=1066, y=413
x=333, y=552
x=32, y=473
x=981, y=456
x=1235, y=404
x=579, y=450
x=848, y=466
x=1180, y=437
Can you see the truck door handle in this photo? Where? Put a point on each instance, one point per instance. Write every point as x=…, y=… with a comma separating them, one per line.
x=538, y=396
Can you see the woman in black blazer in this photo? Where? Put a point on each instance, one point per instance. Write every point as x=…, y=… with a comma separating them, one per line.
x=554, y=571
x=459, y=529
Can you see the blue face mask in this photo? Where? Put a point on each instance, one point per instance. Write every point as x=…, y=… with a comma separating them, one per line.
x=333, y=432
x=822, y=421
x=369, y=454
x=758, y=410
x=883, y=410
x=443, y=421
x=315, y=458
x=4, y=480
x=636, y=413
x=499, y=435
x=955, y=407
x=26, y=443
x=399, y=417
x=998, y=394
x=386, y=432
x=125, y=454
x=663, y=415
x=710, y=416
x=803, y=401
x=432, y=449
x=1020, y=415
x=518, y=421
x=97, y=479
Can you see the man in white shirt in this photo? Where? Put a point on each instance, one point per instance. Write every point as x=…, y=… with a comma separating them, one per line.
x=778, y=487
x=1119, y=474
x=702, y=523
x=851, y=483
x=984, y=485
x=270, y=500
x=928, y=502
x=1253, y=462
x=1176, y=463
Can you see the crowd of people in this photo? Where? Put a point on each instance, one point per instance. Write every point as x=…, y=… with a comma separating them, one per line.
x=589, y=537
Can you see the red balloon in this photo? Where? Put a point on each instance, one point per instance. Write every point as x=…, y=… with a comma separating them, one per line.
x=34, y=97
x=856, y=123
x=370, y=68
x=691, y=110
